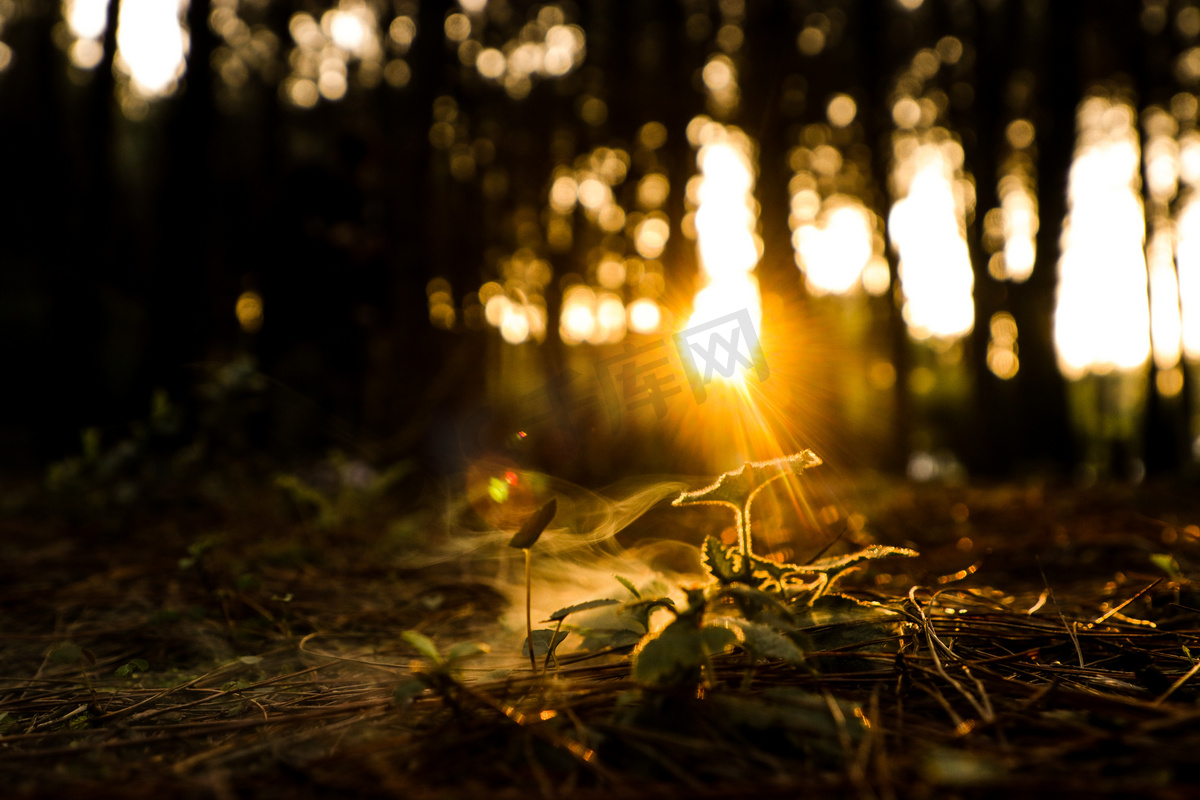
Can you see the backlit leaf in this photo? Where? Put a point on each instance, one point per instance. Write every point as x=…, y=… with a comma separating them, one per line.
x=737, y=488
x=531, y=531
x=628, y=584
x=674, y=656
x=423, y=645
x=719, y=560
x=544, y=640
x=563, y=613
x=464, y=650
x=761, y=641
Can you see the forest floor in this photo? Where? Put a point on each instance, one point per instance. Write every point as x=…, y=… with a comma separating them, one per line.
x=233, y=639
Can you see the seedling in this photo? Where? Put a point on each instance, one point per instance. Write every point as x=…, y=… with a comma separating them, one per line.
x=442, y=673
x=524, y=539
x=737, y=490
x=737, y=607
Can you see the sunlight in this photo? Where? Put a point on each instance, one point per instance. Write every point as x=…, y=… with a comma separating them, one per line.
x=927, y=227
x=87, y=21
x=152, y=45
x=726, y=222
x=1188, y=259
x=1102, y=319
x=834, y=250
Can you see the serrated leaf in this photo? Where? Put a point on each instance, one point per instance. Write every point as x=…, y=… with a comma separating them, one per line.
x=545, y=640
x=628, y=584
x=674, y=656
x=761, y=641
x=737, y=488
x=464, y=650
x=531, y=531
x=563, y=613
x=407, y=691
x=423, y=645
x=835, y=563
x=719, y=560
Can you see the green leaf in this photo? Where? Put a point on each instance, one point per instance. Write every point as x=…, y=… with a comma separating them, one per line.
x=1167, y=563
x=531, y=531
x=545, y=640
x=737, y=488
x=137, y=665
x=423, y=645
x=719, y=560
x=674, y=656
x=563, y=613
x=465, y=650
x=628, y=584
x=761, y=641
x=66, y=653
x=407, y=691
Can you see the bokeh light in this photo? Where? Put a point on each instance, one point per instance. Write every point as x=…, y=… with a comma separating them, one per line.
x=1102, y=317
x=928, y=228
x=152, y=47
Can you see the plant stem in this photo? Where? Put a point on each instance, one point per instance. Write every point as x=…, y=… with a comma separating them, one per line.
x=550, y=649
x=743, y=521
x=529, y=607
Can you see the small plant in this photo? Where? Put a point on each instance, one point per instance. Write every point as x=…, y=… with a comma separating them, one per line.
x=524, y=540
x=442, y=673
x=352, y=488
x=761, y=606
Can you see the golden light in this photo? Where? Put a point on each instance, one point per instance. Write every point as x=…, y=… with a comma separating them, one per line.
x=402, y=31
x=594, y=194
x=1102, y=317
x=249, y=311
x=87, y=21
x=651, y=234
x=152, y=45
x=841, y=110
x=1187, y=257
x=610, y=272
x=458, y=27
x=610, y=319
x=577, y=321
x=652, y=190
x=347, y=35
x=644, y=315
x=927, y=227
x=1166, y=322
x=652, y=135
x=491, y=63
x=834, y=252
x=720, y=79
x=514, y=324
x=1019, y=205
x=1002, y=346
x=726, y=222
